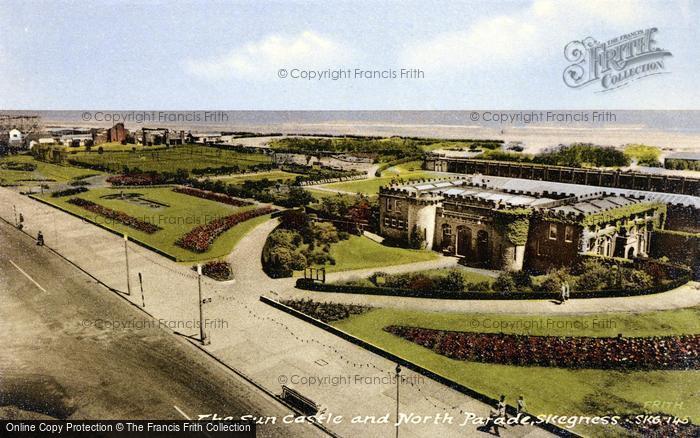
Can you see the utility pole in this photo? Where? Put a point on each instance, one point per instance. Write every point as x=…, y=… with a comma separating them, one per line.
x=398, y=382
x=126, y=257
x=202, y=333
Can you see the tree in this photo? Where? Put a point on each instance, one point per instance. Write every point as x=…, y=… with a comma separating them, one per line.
x=298, y=197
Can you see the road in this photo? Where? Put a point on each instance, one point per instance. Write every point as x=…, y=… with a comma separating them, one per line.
x=65, y=357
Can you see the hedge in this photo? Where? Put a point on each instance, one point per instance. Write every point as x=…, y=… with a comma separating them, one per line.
x=68, y=192
x=307, y=284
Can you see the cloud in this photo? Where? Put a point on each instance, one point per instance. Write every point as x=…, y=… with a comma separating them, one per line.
x=262, y=58
x=529, y=33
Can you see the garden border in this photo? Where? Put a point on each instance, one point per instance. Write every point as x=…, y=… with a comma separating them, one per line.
x=306, y=284
x=549, y=427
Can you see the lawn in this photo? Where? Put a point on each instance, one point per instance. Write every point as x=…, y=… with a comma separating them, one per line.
x=371, y=186
x=320, y=194
x=359, y=252
x=44, y=171
x=404, y=169
x=187, y=157
x=180, y=215
x=275, y=175
x=549, y=390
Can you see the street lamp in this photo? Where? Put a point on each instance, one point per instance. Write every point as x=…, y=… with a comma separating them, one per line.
x=202, y=333
x=398, y=381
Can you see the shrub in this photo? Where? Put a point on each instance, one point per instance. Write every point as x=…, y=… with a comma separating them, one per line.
x=596, y=276
x=452, y=282
x=279, y=263
x=68, y=192
x=505, y=283
x=218, y=270
x=326, y=312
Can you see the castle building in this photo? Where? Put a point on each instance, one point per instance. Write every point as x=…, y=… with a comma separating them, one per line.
x=514, y=229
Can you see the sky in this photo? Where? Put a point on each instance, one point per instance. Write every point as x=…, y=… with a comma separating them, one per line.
x=212, y=55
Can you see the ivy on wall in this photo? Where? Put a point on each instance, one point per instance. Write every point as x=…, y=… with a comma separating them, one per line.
x=513, y=224
x=623, y=213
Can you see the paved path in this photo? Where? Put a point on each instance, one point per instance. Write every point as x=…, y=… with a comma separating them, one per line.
x=682, y=297
x=268, y=345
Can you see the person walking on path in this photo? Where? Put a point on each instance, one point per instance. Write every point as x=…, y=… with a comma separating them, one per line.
x=562, y=294
x=40, y=239
x=520, y=408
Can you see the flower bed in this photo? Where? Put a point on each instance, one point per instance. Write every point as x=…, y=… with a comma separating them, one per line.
x=670, y=352
x=218, y=197
x=218, y=270
x=326, y=312
x=136, y=179
x=115, y=215
x=200, y=238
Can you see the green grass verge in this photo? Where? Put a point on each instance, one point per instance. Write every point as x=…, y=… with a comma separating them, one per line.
x=549, y=390
x=359, y=252
x=371, y=186
x=44, y=171
x=181, y=215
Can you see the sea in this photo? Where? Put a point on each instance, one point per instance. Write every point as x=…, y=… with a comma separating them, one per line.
x=669, y=130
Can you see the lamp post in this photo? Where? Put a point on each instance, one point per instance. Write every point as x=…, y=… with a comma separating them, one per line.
x=398, y=382
x=202, y=332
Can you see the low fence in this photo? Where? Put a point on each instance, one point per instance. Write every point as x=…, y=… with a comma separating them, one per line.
x=552, y=428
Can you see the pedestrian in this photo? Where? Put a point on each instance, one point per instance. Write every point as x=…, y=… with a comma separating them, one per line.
x=567, y=291
x=40, y=239
x=562, y=295
x=491, y=423
x=520, y=408
x=502, y=407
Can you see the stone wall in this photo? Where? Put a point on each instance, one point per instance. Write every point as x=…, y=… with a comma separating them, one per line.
x=572, y=175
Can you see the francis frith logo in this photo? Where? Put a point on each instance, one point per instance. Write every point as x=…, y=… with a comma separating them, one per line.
x=614, y=63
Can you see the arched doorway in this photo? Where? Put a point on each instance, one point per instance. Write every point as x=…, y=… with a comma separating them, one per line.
x=630, y=253
x=446, y=236
x=482, y=247
x=464, y=241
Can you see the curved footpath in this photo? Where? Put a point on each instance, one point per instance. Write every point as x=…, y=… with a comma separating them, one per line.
x=248, y=267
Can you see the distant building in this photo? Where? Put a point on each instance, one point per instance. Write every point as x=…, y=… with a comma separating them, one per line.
x=207, y=137
x=76, y=140
x=117, y=133
x=16, y=138
x=511, y=230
